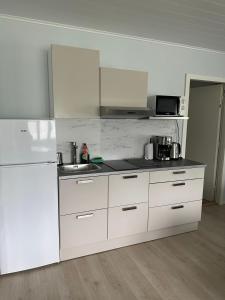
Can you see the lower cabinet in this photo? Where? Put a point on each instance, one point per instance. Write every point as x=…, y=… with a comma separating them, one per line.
x=83, y=228
x=125, y=189
x=127, y=220
x=175, y=192
x=173, y=215
x=100, y=213
x=83, y=194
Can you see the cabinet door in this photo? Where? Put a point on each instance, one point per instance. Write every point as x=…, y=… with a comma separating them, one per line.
x=83, y=194
x=174, y=215
x=126, y=88
x=29, y=235
x=128, y=188
x=83, y=228
x=175, y=192
x=178, y=174
x=75, y=82
x=127, y=220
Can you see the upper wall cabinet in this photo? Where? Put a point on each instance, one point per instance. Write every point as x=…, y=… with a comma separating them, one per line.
x=125, y=88
x=74, y=76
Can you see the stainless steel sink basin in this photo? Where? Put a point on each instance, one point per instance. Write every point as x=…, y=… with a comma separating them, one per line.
x=79, y=168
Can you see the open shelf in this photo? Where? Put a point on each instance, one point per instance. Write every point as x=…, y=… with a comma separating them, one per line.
x=168, y=118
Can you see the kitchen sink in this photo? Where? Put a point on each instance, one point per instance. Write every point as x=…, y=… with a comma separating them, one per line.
x=79, y=168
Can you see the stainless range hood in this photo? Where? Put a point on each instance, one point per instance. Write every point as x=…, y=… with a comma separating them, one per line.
x=115, y=112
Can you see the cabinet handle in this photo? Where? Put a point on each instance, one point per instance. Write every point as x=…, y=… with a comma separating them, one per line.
x=178, y=184
x=84, y=181
x=177, y=207
x=130, y=176
x=131, y=112
x=85, y=216
x=179, y=172
x=129, y=208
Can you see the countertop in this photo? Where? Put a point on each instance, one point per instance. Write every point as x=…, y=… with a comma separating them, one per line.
x=170, y=164
x=139, y=165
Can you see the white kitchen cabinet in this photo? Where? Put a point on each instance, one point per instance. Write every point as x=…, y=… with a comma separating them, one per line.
x=174, y=215
x=175, y=192
x=100, y=213
x=128, y=188
x=179, y=174
x=83, y=194
x=127, y=220
x=124, y=88
x=83, y=228
x=83, y=206
x=175, y=198
x=74, y=82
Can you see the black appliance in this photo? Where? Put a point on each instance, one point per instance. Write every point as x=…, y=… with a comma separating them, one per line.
x=161, y=105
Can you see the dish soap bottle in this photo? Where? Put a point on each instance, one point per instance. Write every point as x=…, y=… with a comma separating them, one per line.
x=84, y=156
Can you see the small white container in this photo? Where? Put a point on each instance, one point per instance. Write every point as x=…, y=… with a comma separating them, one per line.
x=149, y=151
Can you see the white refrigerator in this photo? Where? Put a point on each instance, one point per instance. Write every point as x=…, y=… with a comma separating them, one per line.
x=29, y=233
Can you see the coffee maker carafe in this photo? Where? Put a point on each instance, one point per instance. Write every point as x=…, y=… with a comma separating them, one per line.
x=162, y=147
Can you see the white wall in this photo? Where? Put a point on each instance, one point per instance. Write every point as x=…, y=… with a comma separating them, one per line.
x=220, y=196
x=24, y=74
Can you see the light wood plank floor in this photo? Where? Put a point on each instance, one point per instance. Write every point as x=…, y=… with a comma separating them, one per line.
x=190, y=266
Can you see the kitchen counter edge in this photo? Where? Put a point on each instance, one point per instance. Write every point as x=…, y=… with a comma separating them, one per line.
x=105, y=170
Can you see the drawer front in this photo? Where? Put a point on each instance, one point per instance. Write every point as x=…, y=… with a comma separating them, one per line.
x=174, y=175
x=83, y=194
x=127, y=220
x=175, y=192
x=83, y=228
x=128, y=188
x=174, y=215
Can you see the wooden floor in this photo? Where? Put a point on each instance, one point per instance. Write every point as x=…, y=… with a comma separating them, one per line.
x=190, y=266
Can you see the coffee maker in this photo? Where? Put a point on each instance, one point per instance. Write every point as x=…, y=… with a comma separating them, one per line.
x=162, y=147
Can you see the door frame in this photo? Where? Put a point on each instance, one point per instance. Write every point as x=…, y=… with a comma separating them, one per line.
x=220, y=187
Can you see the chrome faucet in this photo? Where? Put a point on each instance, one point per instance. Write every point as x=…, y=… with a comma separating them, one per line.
x=74, y=148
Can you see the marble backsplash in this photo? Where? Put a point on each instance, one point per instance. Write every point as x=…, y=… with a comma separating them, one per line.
x=111, y=139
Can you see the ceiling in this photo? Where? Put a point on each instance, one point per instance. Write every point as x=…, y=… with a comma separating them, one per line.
x=198, y=23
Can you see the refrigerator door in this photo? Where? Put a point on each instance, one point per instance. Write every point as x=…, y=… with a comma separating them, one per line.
x=27, y=141
x=29, y=234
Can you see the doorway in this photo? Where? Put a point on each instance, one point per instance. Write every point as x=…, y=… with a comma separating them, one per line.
x=205, y=134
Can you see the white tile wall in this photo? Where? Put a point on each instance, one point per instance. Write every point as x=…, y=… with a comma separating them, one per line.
x=111, y=139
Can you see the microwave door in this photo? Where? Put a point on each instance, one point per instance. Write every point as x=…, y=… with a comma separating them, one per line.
x=167, y=105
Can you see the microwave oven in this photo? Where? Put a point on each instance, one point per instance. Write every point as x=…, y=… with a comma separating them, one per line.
x=161, y=105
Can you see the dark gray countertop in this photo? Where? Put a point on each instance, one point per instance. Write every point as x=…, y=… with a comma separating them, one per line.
x=139, y=165
x=153, y=164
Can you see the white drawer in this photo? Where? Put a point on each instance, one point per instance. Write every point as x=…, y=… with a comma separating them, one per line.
x=83, y=194
x=175, y=192
x=173, y=175
x=174, y=215
x=128, y=188
x=83, y=228
x=127, y=220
